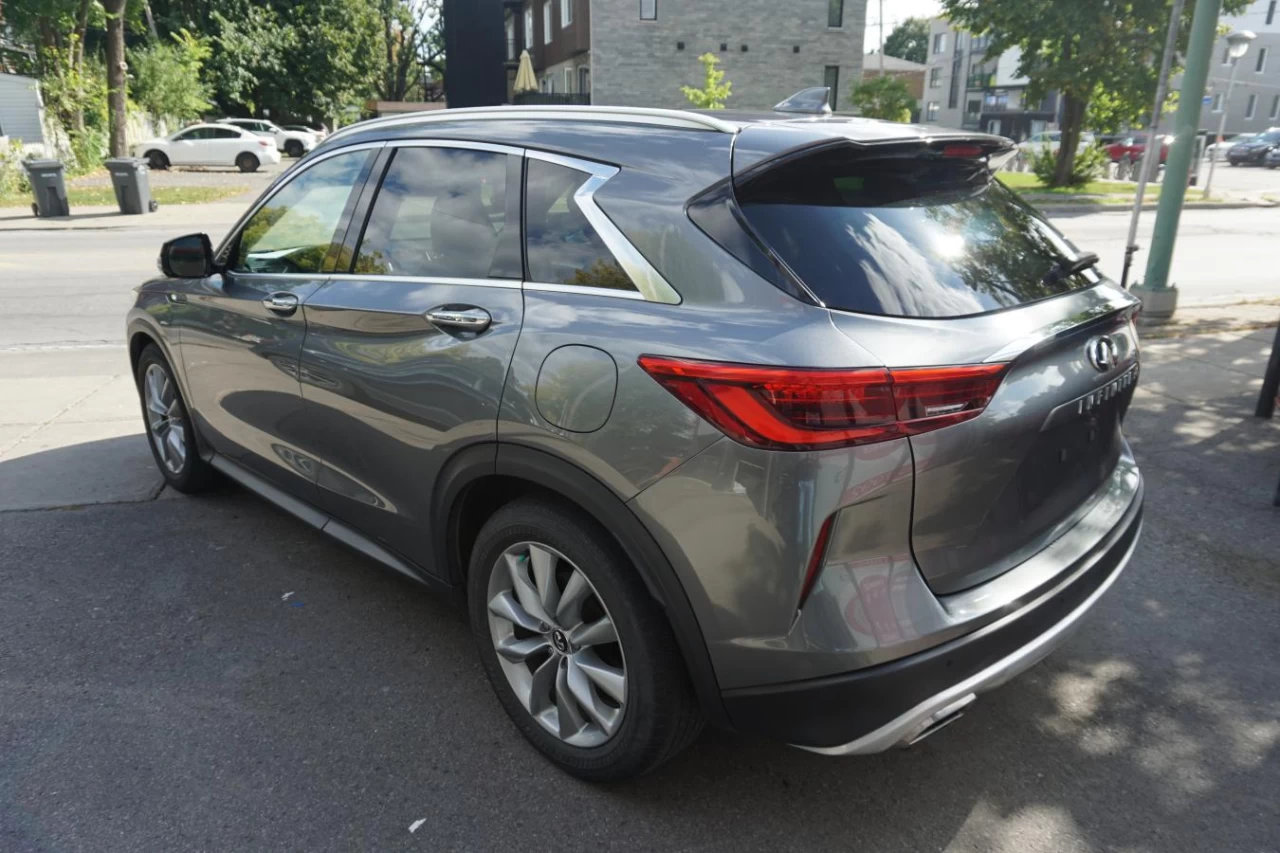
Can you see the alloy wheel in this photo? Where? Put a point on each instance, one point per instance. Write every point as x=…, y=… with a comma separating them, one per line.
x=165, y=422
x=557, y=644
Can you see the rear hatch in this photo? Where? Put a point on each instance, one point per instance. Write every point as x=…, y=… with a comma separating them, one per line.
x=925, y=261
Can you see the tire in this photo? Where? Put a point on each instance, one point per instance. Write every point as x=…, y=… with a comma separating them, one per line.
x=293, y=148
x=157, y=160
x=247, y=163
x=650, y=717
x=192, y=474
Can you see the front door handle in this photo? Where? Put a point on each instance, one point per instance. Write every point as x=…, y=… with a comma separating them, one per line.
x=284, y=304
x=468, y=319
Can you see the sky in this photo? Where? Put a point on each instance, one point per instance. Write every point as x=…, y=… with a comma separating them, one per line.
x=894, y=12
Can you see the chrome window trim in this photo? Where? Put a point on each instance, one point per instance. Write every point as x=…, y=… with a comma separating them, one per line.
x=465, y=144
x=551, y=287
x=283, y=181
x=648, y=281
x=677, y=119
x=444, y=281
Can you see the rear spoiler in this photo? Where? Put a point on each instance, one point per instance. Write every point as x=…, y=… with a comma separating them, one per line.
x=996, y=150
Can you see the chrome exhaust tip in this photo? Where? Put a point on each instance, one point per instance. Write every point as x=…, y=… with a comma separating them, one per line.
x=939, y=720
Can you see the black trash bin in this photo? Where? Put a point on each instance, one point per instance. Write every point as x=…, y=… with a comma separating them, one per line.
x=48, y=186
x=131, y=181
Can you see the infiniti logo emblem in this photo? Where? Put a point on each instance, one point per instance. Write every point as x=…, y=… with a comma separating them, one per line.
x=1102, y=353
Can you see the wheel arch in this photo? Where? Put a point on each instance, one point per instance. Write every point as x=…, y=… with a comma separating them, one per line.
x=480, y=479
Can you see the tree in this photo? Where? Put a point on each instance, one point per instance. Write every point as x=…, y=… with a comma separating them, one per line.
x=1084, y=49
x=909, y=40
x=166, y=78
x=885, y=97
x=117, y=73
x=715, y=89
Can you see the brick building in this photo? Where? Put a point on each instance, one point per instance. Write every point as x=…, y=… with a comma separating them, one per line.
x=640, y=52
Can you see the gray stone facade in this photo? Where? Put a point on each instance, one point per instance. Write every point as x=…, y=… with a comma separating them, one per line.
x=1255, y=99
x=640, y=63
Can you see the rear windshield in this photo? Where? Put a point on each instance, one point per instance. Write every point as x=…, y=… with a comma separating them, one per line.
x=907, y=236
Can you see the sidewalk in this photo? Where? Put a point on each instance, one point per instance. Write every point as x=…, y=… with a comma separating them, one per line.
x=71, y=432
x=208, y=216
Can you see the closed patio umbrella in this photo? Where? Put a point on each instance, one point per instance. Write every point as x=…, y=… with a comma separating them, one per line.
x=525, y=81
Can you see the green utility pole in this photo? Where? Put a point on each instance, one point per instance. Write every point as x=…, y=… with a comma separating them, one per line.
x=1159, y=300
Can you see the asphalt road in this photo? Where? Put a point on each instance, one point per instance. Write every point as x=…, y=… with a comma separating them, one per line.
x=207, y=673
x=73, y=287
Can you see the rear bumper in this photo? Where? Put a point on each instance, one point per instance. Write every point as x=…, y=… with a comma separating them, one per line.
x=873, y=709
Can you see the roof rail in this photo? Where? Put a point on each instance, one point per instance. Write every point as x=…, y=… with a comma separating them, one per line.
x=681, y=119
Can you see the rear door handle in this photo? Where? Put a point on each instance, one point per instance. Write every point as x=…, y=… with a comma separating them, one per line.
x=460, y=317
x=284, y=304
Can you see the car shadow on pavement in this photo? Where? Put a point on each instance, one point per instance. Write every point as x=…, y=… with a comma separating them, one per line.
x=215, y=658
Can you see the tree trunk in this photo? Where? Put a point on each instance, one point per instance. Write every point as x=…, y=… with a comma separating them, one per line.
x=1073, y=109
x=77, y=61
x=116, y=80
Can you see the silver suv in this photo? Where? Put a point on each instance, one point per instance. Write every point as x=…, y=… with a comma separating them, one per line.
x=804, y=427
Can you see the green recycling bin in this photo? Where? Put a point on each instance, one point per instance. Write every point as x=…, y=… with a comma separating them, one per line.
x=132, y=183
x=48, y=186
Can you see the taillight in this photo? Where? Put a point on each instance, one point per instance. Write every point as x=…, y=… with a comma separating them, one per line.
x=265, y=143
x=787, y=408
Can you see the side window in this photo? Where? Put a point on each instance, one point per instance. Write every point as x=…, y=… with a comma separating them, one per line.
x=440, y=212
x=225, y=133
x=194, y=133
x=293, y=231
x=562, y=246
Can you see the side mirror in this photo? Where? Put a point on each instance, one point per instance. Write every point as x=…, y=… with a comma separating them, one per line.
x=190, y=256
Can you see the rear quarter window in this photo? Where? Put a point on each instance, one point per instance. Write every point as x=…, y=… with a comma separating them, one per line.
x=907, y=235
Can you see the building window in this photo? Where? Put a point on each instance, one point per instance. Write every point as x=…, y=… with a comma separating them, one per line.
x=1275, y=106
x=1217, y=102
x=1251, y=106
x=568, y=80
x=566, y=13
x=831, y=79
x=546, y=22
x=584, y=79
x=835, y=13
x=528, y=26
x=511, y=38
x=935, y=77
x=1262, y=60
x=648, y=10
x=1271, y=12
x=931, y=111
x=1226, y=55
x=940, y=43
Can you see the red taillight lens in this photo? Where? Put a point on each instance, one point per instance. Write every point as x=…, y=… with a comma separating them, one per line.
x=265, y=143
x=785, y=408
x=965, y=152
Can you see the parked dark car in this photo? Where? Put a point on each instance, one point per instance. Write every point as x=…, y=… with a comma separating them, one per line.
x=811, y=429
x=1253, y=152
x=1135, y=145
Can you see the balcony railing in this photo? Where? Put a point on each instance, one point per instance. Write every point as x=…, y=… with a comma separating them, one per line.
x=981, y=80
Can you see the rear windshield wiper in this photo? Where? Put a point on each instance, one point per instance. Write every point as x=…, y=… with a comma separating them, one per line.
x=1070, y=266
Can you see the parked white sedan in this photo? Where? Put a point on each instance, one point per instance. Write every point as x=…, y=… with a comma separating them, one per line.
x=209, y=145
x=292, y=142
